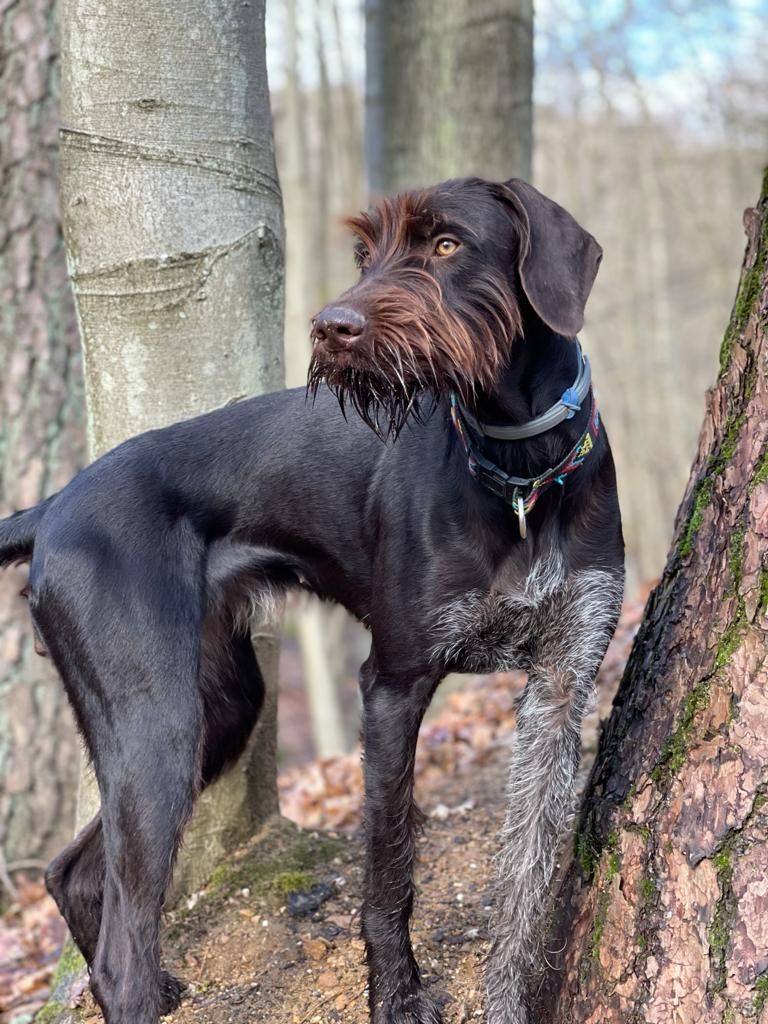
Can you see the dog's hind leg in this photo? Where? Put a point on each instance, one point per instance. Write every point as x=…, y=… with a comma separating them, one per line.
x=147, y=786
x=75, y=880
x=129, y=659
x=392, y=712
x=573, y=628
x=232, y=690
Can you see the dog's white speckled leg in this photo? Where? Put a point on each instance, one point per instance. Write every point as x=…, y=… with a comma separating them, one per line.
x=573, y=630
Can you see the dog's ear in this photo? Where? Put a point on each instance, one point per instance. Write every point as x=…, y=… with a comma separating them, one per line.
x=558, y=259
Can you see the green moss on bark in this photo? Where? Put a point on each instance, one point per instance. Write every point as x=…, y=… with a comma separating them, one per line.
x=761, y=993
x=52, y=1013
x=289, y=872
x=70, y=967
x=761, y=472
x=730, y=640
x=731, y=637
x=587, y=851
x=612, y=869
x=749, y=291
x=763, y=591
x=675, y=750
x=701, y=501
x=723, y=917
x=736, y=559
x=648, y=893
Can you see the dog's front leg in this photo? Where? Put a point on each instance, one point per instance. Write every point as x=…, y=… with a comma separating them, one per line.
x=392, y=712
x=574, y=629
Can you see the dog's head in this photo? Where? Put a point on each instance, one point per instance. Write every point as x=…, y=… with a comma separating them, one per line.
x=448, y=276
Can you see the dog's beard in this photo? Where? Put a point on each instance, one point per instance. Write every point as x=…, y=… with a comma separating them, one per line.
x=384, y=403
x=419, y=348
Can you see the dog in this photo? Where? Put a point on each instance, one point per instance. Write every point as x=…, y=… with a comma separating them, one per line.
x=447, y=479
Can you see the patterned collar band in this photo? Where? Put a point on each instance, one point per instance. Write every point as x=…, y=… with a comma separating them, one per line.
x=522, y=493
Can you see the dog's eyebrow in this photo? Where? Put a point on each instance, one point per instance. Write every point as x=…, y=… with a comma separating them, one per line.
x=409, y=217
x=451, y=225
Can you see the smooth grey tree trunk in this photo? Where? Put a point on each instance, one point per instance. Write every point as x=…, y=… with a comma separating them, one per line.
x=173, y=223
x=42, y=431
x=448, y=90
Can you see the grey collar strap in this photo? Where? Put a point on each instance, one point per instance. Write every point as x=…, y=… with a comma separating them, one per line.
x=565, y=408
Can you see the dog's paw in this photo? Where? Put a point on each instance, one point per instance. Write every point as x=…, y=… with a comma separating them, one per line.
x=407, y=1008
x=171, y=990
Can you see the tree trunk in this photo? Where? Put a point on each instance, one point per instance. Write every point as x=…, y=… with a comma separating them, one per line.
x=448, y=90
x=306, y=260
x=173, y=223
x=294, y=176
x=664, y=907
x=42, y=434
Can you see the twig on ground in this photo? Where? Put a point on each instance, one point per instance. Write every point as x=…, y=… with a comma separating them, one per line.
x=326, y=999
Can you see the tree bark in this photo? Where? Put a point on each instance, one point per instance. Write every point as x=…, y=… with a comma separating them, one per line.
x=42, y=434
x=448, y=90
x=665, y=906
x=173, y=222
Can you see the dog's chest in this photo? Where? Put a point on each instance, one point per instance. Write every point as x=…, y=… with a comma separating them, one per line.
x=496, y=629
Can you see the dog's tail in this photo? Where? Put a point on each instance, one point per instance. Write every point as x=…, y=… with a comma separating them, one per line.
x=17, y=533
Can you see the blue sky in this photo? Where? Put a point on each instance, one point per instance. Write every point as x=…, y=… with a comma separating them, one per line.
x=678, y=51
x=655, y=36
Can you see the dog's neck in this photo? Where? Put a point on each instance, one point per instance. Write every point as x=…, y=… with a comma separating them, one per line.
x=542, y=364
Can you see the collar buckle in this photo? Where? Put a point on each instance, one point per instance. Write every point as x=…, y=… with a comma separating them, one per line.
x=497, y=482
x=571, y=401
x=509, y=490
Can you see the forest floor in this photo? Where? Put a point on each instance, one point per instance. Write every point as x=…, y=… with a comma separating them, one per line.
x=274, y=938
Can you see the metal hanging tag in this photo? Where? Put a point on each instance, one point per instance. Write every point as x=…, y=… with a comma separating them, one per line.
x=521, y=517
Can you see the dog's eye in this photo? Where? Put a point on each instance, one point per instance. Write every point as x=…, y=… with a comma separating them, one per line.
x=361, y=256
x=446, y=246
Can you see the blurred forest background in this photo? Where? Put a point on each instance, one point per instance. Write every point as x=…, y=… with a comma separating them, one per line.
x=650, y=126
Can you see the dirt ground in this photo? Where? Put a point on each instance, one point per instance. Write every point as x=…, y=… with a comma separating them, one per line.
x=260, y=962
x=247, y=957
x=274, y=938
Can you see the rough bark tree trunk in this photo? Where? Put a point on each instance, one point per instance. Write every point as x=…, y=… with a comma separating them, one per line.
x=173, y=222
x=42, y=432
x=448, y=90
x=665, y=908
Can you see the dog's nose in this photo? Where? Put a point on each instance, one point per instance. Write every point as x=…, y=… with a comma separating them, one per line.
x=338, y=326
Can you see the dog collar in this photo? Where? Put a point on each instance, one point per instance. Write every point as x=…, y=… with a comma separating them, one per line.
x=565, y=408
x=522, y=493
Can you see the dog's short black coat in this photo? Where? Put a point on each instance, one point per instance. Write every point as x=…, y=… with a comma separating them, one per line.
x=145, y=570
